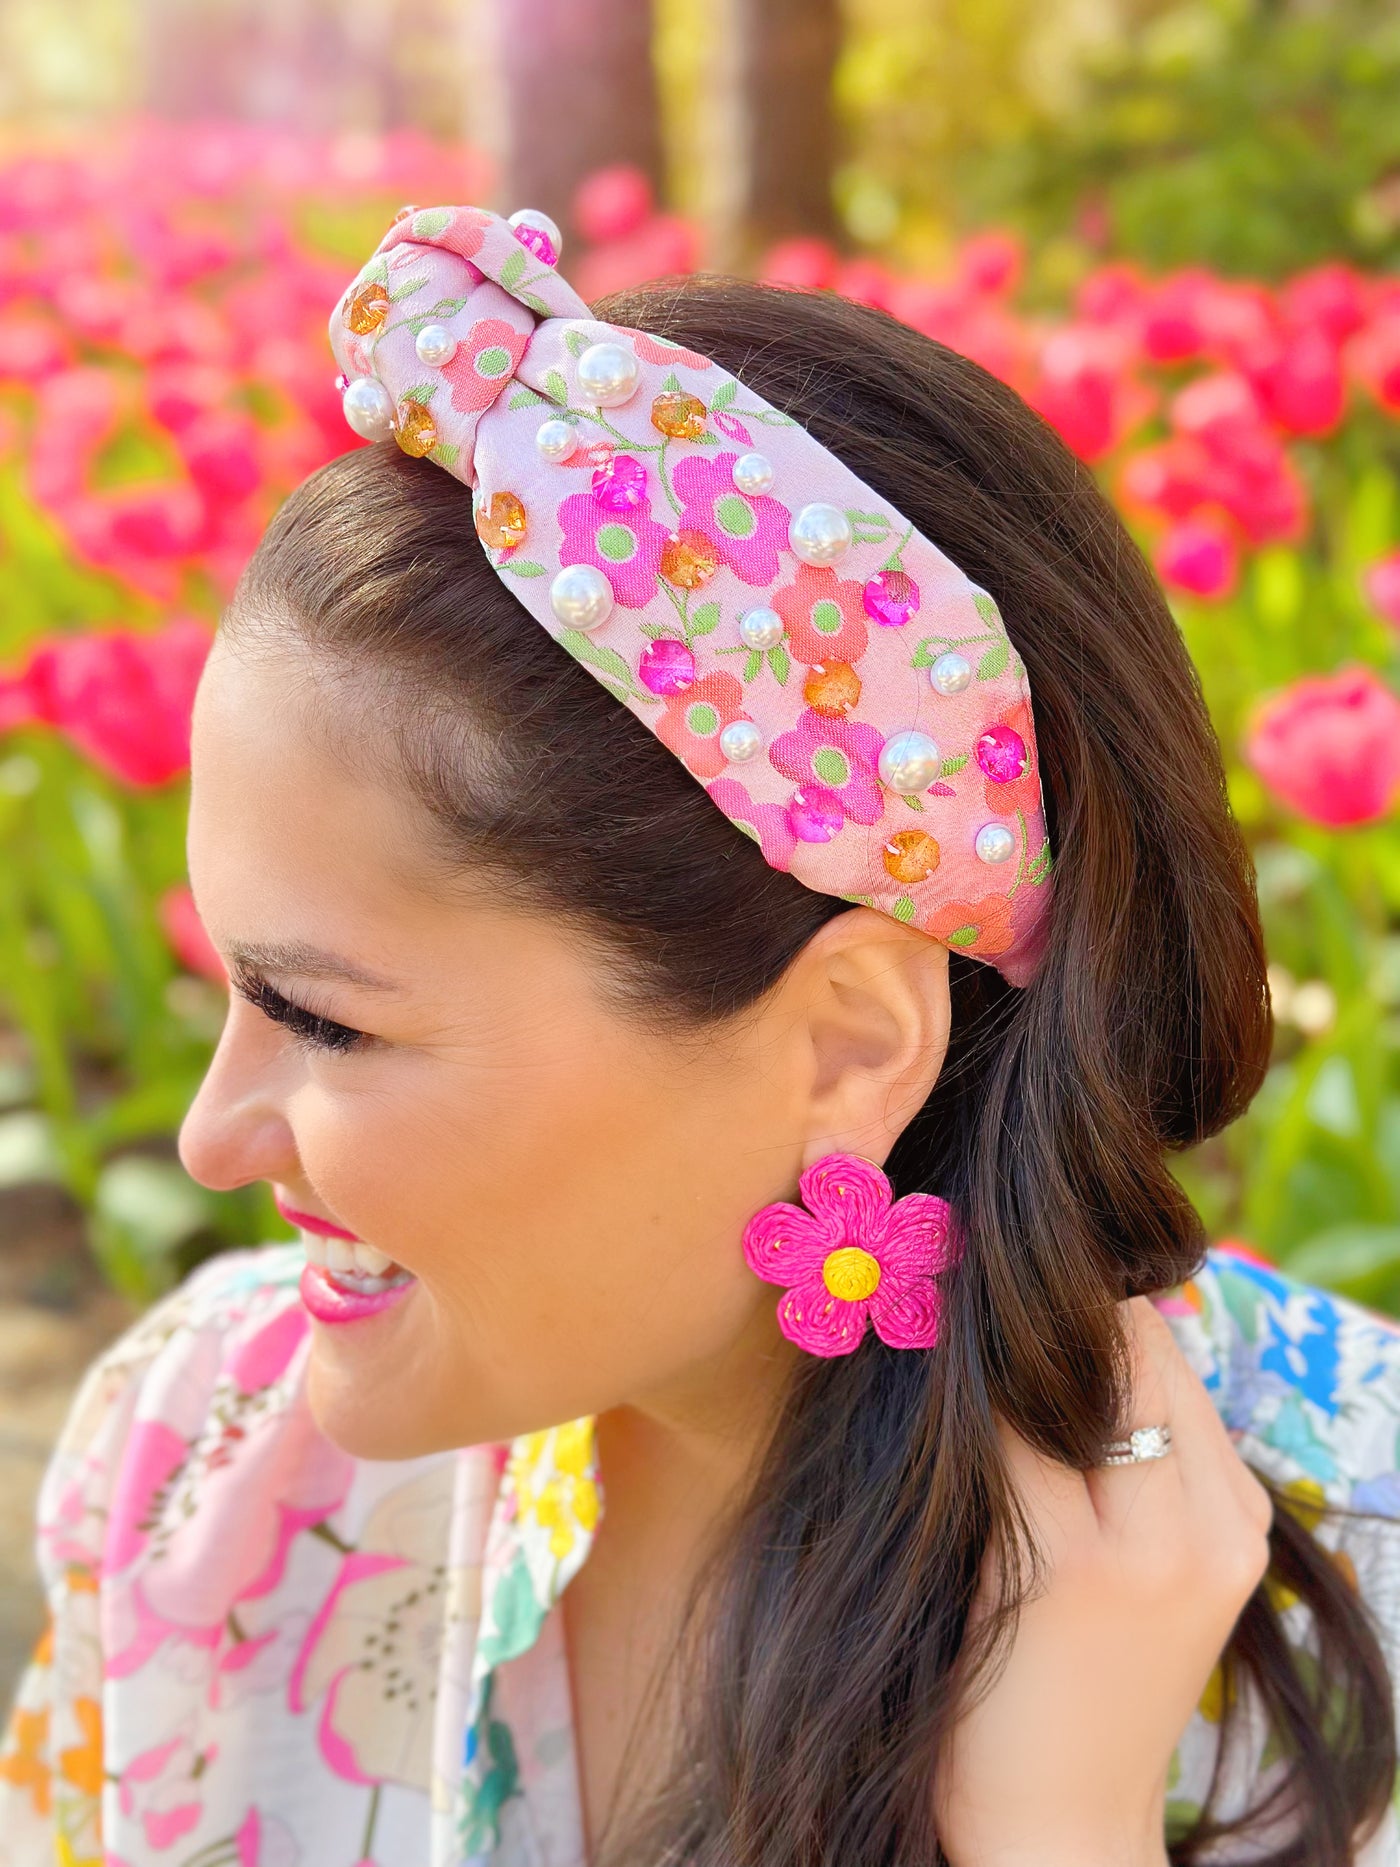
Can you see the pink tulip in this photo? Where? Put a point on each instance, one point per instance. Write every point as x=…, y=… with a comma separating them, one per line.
x=185, y=931
x=865, y=281
x=1382, y=585
x=807, y=265
x=123, y=698
x=1328, y=747
x=991, y=262
x=611, y=203
x=1331, y=298
x=1200, y=556
x=1372, y=356
x=1304, y=389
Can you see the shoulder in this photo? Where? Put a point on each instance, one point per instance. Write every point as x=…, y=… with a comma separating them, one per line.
x=1308, y=1380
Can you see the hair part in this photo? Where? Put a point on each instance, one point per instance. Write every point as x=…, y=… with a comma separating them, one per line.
x=1147, y=1029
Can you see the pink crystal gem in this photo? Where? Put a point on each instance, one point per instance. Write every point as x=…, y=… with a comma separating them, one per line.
x=667, y=666
x=620, y=483
x=891, y=598
x=815, y=814
x=1001, y=753
x=539, y=243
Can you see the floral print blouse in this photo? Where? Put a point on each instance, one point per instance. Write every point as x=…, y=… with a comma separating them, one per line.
x=263, y=1652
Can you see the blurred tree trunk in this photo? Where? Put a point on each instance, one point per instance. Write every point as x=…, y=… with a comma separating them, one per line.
x=577, y=93
x=784, y=63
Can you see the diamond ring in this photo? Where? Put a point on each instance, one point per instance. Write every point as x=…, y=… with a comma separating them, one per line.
x=1146, y=1442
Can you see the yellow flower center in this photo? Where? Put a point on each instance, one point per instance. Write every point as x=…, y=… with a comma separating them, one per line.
x=851, y=1274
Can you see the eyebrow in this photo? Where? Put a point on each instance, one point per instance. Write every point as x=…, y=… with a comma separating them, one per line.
x=307, y=962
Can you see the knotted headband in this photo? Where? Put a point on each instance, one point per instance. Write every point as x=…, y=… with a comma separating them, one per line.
x=846, y=695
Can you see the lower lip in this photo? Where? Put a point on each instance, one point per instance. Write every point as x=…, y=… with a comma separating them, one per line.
x=329, y=1302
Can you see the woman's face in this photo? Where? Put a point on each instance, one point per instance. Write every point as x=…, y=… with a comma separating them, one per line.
x=566, y=1188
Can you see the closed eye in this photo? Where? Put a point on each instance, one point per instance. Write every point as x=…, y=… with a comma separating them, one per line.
x=306, y=1027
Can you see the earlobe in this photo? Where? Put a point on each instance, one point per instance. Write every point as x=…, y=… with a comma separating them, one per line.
x=876, y=1011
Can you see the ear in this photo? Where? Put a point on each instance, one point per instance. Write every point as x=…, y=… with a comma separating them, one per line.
x=868, y=1003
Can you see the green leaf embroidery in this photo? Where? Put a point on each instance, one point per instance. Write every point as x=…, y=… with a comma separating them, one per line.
x=430, y=220
x=962, y=936
x=535, y=302
x=525, y=398
x=780, y=662
x=914, y=803
x=577, y=342
x=606, y=660
x=950, y=765
x=752, y=665
x=421, y=392
x=725, y=394
x=408, y=288
x=522, y=567
x=903, y=909
x=376, y=272
x=994, y=661
x=1040, y=865
x=511, y=269
x=444, y=308
x=556, y=388
x=445, y=453
x=986, y=608
x=706, y=619
x=706, y=439
x=672, y=382
x=656, y=630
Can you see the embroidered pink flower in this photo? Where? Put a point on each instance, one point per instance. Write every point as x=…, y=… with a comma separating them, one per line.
x=749, y=529
x=484, y=360
x=625, y=546
x=767, y=824
x=692, y=721
x=730, y=426
x=982, y=927
x=825, y=616
x=653, y=350
x=841, y=755
x=853, y=1256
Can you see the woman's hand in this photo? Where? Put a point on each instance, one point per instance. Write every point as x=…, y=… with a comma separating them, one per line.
x=1064, y=1762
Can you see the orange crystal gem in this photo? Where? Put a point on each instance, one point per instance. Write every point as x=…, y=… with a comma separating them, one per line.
x=367, y=308
x=688, y=559
x=679, y=414
x=501, y=521
x=911, y=855
x=417, y=432
x=832, y=688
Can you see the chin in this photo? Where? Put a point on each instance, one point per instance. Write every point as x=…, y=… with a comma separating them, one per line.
x=361, y=1417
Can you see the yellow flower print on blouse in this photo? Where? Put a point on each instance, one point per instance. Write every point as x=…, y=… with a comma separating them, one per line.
x=555, y=1482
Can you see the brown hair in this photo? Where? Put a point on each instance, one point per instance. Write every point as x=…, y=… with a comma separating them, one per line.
x=1147, y=1029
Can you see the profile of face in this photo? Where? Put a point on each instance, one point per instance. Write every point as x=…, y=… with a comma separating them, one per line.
x=564, y=1180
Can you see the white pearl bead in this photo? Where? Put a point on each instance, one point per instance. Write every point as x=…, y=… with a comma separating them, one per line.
x=555, y=439
x=582, y=597
x=740, y=740
x=536, y=217
x=950, y=674
x=608, y=375
x=761, y=628
x=435, y=345
x=820, y=534
x=910, y=762
x=369, y=408
x=995, y=843
x=753, y=473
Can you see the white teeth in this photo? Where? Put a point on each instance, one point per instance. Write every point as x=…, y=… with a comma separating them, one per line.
x=364, y=1266
x=340, y=1255
x=370, y=1260
x=315, y=1249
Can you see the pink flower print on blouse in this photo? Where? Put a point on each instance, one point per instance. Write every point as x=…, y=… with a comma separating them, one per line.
x=372, y=1649
x=693, y=720
x=748, y=529
x=625, y=546
x=483, y=361
x=825, y=616
x=160, y=1789
x=852, y=1256
x=767, y=823
x=843, y=756
x=262, y=1841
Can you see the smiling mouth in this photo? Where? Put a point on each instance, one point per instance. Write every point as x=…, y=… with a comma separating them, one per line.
x=357, y=1268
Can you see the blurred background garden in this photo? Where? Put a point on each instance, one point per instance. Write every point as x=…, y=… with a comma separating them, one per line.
x=1173, y=227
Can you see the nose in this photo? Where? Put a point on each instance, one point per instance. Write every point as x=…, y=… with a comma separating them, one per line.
x=236, y=1131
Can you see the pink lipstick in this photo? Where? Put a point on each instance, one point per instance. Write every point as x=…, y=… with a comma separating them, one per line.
x=332, y=1302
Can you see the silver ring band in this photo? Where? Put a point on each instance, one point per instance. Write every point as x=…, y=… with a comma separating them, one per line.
x=1145, y=1442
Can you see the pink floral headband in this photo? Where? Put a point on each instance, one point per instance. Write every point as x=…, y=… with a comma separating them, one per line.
x=842, y=690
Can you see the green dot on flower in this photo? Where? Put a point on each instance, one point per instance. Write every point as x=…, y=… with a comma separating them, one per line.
x=616, y=543
x=494, y=360
x=702, y=719
x=735, y=516
x=830, y=765
x=827, y=616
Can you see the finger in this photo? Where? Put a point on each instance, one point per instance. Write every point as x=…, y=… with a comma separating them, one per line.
x=1144, y=1500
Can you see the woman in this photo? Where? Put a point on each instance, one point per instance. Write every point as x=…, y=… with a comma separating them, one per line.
x=999, y=1523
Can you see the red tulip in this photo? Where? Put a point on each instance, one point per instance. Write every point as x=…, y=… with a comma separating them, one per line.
x=123, y=698
x=189, y=941
x=1199, y=555
x=611, y=203
x=1382, y=585
x=1329, y=747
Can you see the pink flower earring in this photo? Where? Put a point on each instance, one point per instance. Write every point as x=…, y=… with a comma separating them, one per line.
x=853, y=1254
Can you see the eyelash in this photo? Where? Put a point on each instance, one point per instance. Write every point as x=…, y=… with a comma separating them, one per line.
x=308, y=1030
